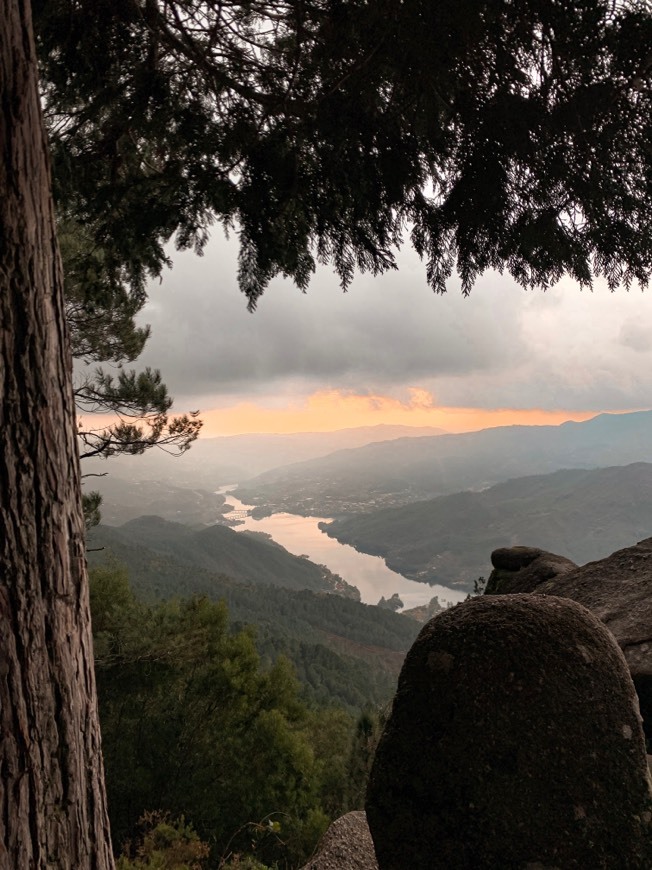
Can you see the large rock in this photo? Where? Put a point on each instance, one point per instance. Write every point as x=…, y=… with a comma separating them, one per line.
x=514, y=742
x=618, y=590
x=521, y=569
x=346, y=845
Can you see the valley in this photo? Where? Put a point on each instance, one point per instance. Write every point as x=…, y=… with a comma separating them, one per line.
x=405, y=470
x=432, y=507
x=281, y=589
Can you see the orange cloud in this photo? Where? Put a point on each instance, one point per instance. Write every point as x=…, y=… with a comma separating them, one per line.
x=327, y=410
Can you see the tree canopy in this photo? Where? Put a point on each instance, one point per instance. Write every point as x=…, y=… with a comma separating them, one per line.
x=101, y=312
x=495, y=134
x=193, y=724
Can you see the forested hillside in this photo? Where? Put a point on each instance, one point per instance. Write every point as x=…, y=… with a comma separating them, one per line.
x=398, y=472
x=199, y=730
x=343, y=651
x=245, y=556
x=584, y=515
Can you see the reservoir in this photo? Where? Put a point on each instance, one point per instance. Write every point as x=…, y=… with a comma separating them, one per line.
x=302, y=536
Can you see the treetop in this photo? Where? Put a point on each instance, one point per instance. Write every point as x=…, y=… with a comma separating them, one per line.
x=495, y=135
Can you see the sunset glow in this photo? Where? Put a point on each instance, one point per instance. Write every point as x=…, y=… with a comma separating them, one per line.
x=327, y=410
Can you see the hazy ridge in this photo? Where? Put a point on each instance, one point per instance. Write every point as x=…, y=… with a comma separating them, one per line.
x=582, y=514
x=229, y=459
x=402, y=471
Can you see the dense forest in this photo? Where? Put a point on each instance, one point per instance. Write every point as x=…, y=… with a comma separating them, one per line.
x=217, y=752
x=239, y=716
x=344, y=651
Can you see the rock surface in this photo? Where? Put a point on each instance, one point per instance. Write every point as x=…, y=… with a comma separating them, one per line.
x=618, y=590
x=346, y=845
x=514, y=741
x=520, y=569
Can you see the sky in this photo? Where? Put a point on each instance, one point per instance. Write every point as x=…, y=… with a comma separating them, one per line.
x=390, y=351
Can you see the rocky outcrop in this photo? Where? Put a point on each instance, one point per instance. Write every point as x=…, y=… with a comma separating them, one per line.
x=618, y=590
x=514, y=741
x=423, y=612
x=394, y=603
x=346, y=845
x=520, y=569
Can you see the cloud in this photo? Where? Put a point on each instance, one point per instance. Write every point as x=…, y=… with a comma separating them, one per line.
x=502, y=347
x=384, y=331
x=636, y=336
x=333, y=409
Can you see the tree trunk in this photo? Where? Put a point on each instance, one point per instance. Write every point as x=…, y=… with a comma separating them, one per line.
x=52, y=799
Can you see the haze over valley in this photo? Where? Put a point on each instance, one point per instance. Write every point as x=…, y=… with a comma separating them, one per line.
x=406, y=470
x=433, y=507
x=227, y=459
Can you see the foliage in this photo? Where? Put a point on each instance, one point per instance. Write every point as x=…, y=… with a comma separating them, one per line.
x=344, y=652
x=140, y=404
x=102, y=329
x=369, y=728
x=91, y=502
x=499, y=135
x=165, y=844
x=336, y=673
x=100, y=311
x=193, y=725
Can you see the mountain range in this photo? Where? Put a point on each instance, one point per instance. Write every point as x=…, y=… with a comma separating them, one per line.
x=214, y=462
x=434, y=507
x=401, y=471
x=584, y=515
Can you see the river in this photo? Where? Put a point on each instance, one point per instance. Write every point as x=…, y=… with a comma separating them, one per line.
x=302, y=536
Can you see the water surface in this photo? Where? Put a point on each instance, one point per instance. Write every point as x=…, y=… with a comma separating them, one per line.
x=302, y=536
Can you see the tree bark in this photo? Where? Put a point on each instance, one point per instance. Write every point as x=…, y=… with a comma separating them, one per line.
x=52, y=798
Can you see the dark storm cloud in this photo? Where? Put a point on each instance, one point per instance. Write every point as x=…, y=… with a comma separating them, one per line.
x=502, y=347
x=383, y=333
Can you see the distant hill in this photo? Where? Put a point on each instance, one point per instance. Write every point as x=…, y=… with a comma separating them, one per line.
x=398, y=472
x=244, y=556
x=344, y=652
x=584, y=515
x=214, y=462
x=124, y=500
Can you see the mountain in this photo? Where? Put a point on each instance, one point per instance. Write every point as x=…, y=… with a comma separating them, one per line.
x=584, y=514
x=214, y=462
x=124, y=500
x=344, y=652
x=246, y=556
x=398, y=472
